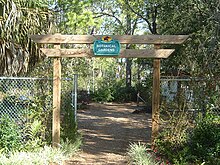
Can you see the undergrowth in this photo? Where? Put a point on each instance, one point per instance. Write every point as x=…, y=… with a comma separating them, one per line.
x=199, y=144
x=44, y=155
x=141, y=154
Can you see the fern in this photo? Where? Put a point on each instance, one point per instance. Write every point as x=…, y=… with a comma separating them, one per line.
x=33, y=136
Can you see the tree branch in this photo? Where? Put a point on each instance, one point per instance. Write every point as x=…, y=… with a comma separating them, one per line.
x=134, y=27
x=110, y=15
x=140, y=15
x=154, y=19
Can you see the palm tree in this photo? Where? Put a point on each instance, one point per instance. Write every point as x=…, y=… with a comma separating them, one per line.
x=18, y=20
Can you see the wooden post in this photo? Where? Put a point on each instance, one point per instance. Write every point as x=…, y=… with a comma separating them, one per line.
x=127, y=53
x=155, y=97
x=56, y=100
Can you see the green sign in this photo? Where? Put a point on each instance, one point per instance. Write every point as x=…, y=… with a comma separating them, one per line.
x=106, y=47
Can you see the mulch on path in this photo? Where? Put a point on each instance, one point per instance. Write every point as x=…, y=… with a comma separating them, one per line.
x=107, y=131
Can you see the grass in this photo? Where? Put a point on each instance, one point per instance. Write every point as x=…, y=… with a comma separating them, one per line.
x=42, y=156
x=139, y=156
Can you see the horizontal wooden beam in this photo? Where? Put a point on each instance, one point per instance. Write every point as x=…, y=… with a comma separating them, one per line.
x=123, y=39
x=124, y=53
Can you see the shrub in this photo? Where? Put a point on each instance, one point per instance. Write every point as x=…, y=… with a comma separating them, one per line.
x=69, y=147
x=124, y=94
x=172, y=141
x=68, y=124
x=10, y=135
x=139, y=156
x=33, y=136
x=102, y=95
x=115, y=93
x=204, y=141
x=201, y=145
x=45, y=155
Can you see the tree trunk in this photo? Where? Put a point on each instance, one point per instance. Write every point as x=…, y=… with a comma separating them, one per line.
x=128, y=61
x=128, y=72
x=1, y=10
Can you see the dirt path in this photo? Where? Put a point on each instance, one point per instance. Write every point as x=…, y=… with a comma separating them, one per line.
x=107, y=131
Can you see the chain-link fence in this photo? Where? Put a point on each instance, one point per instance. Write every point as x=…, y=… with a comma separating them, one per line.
x=25, y=99
x=17, y=95
x=191, y=95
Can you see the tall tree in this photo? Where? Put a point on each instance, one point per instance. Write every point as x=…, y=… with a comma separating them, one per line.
x=75, y=16
x=146, y=11
x=147, y=14
x=201, y=20
x=118, y=20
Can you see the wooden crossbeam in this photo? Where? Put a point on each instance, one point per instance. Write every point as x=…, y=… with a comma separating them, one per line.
x=156, y=53
x=124, y=53
x=123, y=39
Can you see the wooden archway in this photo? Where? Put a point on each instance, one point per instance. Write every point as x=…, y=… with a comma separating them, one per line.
x=57, y=53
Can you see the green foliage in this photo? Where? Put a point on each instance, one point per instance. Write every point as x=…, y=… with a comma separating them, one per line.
x=201, y=20
x=42, y=69
x=76, y=17
x=68, y=123
x=38, y=127
x=139, y=156
x=45, y=155
x=209, y=99
x=144, y=87
x=124, y=94
x=10, y=135
x=116, y=19
x=33, y=131
x=204, y=141
x=102, y=95
x=200, y=144
x=69, y=147
x=174, y=136
x=114, y=90
x=175, y=153
x=33, y=136
x=20, y=19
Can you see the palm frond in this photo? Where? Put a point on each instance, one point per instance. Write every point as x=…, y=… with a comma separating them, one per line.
x=21, y=18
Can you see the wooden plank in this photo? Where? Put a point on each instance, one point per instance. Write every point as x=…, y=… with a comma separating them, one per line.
x=67, y=52
x=155, y=97
x=146, y=53
x=123, y=39
x=56, y=100
x=125, y=53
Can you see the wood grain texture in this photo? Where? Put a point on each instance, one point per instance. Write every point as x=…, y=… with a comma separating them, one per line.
x=123, y=39
x=56, y=100
x=124, y=53
x=155, y=97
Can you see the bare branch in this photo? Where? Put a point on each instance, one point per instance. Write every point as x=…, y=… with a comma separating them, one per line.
x=140, y=15
x=134, y=26
x=98, y=15
x=154, y=19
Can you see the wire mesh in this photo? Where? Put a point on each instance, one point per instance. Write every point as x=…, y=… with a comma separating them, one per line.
x=190, y=95
x=19, y=97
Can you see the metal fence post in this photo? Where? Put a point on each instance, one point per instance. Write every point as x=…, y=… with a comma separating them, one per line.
x=75, y=95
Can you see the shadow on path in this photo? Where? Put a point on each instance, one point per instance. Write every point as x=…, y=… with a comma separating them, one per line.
x=107, y=130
